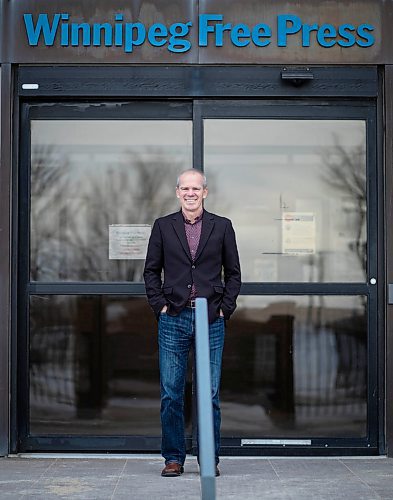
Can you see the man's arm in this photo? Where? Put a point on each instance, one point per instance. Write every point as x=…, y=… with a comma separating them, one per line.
x=153, y=268
x=232, y=276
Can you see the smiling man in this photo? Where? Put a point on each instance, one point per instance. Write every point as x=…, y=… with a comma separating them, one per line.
x=195, y=249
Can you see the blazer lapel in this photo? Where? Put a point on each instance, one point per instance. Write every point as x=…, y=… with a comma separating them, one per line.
x=178, y=225
x=207, y=228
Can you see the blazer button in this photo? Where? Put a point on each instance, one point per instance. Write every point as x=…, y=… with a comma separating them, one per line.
x=188, y=286
x=192, y=267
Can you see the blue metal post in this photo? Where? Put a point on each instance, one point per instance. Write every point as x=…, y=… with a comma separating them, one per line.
x=204, y=398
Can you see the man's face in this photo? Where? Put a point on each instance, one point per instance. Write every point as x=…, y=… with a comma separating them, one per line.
x=191, y=192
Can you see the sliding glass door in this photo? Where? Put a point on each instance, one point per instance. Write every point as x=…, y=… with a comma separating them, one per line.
x=298, y=180
x=298, y=183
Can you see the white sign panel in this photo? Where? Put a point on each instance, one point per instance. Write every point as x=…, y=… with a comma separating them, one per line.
x=298, y=233
x=128, y=241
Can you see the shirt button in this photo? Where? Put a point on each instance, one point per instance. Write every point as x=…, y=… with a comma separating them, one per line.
x=192, y=267
x=188, y=286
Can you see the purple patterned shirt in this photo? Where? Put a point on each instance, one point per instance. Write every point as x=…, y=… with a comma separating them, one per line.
x=193, y=234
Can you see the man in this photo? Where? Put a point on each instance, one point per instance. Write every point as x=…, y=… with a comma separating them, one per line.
x=192, y=247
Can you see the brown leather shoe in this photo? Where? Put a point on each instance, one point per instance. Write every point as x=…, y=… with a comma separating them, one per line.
x=172, y=469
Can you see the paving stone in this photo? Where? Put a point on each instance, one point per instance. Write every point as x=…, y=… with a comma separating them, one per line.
x=308, y=468
x=69, y=487
x=19, y=468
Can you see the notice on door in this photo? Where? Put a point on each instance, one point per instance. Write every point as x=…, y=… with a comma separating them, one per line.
x=298, y=233
x=128, y=241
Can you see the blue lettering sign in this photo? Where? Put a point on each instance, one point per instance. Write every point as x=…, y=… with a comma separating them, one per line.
x=287, y=24
x=42, y=27
x=47, y=30
x=366, y=39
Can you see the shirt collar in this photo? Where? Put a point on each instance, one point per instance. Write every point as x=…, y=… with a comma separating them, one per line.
x=197, y=219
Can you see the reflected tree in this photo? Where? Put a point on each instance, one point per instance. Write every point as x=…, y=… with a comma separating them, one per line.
x=134, y=192
x=47, y=188
x=345, y=173
x=74, y=203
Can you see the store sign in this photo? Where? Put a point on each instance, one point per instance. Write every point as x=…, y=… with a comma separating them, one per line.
x=47, y=30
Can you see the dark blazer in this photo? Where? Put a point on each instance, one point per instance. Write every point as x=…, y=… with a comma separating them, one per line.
x=217, y=251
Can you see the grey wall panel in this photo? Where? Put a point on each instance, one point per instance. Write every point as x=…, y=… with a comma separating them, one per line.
x=250, y=12
x=101, y=11
x=389, y=253
x=5, y=257
x=335, y=12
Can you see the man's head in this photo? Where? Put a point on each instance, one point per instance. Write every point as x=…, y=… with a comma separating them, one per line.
x=191, y=189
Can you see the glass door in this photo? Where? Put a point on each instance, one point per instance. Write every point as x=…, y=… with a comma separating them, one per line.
x=95, y=177
x=298, y=182
x=297, y=179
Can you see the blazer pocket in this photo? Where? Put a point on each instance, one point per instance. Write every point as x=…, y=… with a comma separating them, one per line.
x=218, y=289
x=167, y=290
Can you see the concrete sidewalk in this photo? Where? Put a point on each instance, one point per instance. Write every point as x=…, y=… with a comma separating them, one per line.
x=46, y=477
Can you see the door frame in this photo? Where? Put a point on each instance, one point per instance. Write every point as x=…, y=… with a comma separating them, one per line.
x=309, y=110
x=65, y=86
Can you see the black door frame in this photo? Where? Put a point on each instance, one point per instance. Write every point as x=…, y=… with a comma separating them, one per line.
x=308, y=110
x=52, y=100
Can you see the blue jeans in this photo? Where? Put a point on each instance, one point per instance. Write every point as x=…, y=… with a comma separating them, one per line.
x=176, y=335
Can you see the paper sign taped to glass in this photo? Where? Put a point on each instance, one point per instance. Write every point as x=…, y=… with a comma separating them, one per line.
x=298, y=233
x=128, y=241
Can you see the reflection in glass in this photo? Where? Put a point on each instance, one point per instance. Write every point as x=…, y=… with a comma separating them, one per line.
x=87, y=175
x=296, y=193
x=94, y=366
x=296, y=366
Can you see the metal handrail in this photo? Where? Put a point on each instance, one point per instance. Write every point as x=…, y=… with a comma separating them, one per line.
x=204, y=399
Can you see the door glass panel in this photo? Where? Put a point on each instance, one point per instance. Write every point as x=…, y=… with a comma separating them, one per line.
x=94, y=366
x=89, y=175
x=296, y=366
x=296, y=193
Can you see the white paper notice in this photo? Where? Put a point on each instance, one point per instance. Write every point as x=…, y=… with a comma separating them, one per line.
x=128, y=241
x=298, y=233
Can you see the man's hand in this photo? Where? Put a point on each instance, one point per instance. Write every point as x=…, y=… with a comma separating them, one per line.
x=221, y=313
x=164, y=309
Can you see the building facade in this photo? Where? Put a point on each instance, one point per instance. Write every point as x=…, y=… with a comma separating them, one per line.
x=288, y=109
